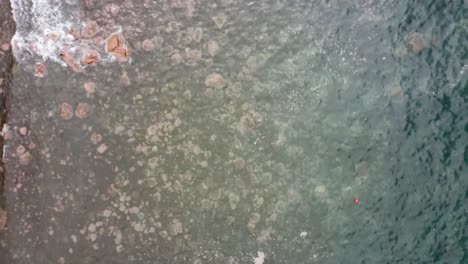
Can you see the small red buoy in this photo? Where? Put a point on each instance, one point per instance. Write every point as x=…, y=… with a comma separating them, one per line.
x=356, y=200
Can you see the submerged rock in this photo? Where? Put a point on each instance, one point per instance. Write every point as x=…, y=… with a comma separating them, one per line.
x=176, y=59
x=20, y=150
x=214, y=80
x=220, y=20
x=70, y=61
x=102, y=148
x=66, y=111
x=3, y=219
x=23, y=131
x=197, y=35
x=213, y=48
x=39, y=70
x=82, y=110
x=247, y=122
x=90, y=57
x=25, y=158
x=90, y=29
x=89, y=87
x=148, y=45
x=193, y=56
x=95, y=138
x=416, y=43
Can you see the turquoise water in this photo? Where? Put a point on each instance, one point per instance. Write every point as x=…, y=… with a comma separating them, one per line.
x=239, y=132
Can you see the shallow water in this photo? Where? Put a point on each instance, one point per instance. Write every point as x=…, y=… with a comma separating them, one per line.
x=317, y=103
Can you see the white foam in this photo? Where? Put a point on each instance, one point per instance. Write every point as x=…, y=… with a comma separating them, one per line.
x=35, y=19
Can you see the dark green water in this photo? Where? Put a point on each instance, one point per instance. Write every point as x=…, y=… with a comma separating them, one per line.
x=317, y=103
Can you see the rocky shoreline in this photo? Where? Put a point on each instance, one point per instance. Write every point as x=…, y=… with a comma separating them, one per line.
x=7, y=30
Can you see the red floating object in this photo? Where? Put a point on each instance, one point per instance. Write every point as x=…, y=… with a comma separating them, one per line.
x=356, y=200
